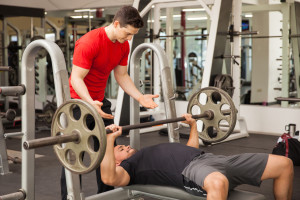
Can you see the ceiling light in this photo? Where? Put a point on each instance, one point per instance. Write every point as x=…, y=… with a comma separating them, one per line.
x=249, y=15
x=196, y=18
x=193, y=9
x=164, y=17
x=76, y=17
x=86, y=16
x=85, y=10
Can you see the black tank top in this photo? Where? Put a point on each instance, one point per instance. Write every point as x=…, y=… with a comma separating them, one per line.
x=161, y=164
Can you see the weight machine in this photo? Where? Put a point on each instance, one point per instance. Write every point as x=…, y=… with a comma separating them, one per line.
x=219, y=30
x=9, y=115
x=62, y=91
x=63, y=95
x=14, y=11
x=28, y=105
x=290, y=43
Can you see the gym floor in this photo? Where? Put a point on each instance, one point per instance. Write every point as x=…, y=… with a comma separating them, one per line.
x=48, y=168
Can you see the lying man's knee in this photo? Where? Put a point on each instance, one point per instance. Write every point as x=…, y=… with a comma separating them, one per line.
x=289, y=165
x=277, y=166
x=216, y=181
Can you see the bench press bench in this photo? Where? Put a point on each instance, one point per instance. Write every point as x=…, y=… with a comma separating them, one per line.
x=164, y=192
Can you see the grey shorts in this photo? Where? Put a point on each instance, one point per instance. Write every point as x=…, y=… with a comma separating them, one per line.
x=239, y=169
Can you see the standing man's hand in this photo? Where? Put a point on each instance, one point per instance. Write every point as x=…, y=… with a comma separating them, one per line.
x=124, y=80
x=147, y=100
x=97, y=105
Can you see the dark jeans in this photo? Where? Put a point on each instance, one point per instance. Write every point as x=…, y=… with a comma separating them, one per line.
x=90, y=123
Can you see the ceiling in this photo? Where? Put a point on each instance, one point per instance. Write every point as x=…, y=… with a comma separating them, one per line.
x=52, y=5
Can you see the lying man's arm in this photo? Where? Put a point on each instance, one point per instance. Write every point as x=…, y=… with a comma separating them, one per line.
x=111, y=174
x=193, y=139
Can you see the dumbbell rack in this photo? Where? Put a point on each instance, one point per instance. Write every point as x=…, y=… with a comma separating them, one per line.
x=62, y=90
x=9, y=115
x=28, y=113
x=4, y=168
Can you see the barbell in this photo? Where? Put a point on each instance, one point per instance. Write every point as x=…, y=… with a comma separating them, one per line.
x=72, y=138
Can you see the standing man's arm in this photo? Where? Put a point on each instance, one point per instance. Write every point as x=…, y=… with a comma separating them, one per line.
x=193, y=139
x=111, y=174
x=77, y=81
x=128, y=86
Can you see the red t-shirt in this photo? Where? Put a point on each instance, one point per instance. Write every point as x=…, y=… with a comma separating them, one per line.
x=96, y=52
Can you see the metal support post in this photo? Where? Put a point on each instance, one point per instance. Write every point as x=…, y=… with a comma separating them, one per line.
x=168, y=92
x=295, y=29
x=62, y=90
x=236, y=51
x=156, y=74
x=169, y=42
x=19, y=39
x=5, y=61
x=67, y=40
x=211, y=44
x=4, y=167
x=285, y=52
x=236, y=68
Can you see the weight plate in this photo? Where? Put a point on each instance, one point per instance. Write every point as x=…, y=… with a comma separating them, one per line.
x=225, y=82
x=221, y=104
x=80, y=156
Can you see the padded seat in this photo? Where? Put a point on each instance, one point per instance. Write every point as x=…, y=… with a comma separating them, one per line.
x=132, y=191
x=177, y=193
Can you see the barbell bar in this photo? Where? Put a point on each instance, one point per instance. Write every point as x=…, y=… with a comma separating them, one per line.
x=230, y=33
x=287, y=99
x=71, y=137
x=75, y=137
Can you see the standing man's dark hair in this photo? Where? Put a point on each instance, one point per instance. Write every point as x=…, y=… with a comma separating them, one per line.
x=128, y=15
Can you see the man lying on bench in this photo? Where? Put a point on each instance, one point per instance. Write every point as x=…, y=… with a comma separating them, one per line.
x=189, y=168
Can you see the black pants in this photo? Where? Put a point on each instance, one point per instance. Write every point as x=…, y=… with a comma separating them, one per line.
x=90, y=123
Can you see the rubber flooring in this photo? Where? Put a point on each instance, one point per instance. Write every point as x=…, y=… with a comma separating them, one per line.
x=48, y=168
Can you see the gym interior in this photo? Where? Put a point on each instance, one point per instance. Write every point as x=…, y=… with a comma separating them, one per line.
x=244, y=52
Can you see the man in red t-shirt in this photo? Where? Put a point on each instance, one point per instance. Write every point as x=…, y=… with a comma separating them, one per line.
x=99, y=52
x=96, y=54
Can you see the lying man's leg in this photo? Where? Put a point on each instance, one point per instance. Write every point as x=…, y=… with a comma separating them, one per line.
x=280, y=169
x=216, y=186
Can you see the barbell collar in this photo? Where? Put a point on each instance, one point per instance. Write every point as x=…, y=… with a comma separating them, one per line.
x=53, y=140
